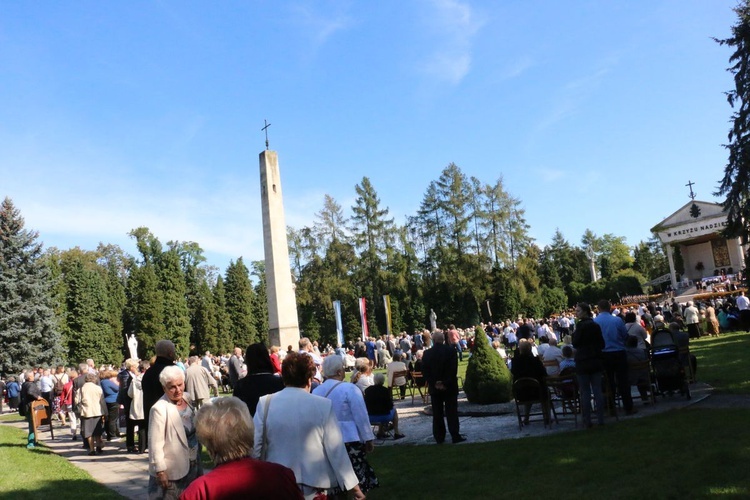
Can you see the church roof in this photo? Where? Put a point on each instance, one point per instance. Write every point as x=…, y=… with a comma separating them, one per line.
x=682, y=216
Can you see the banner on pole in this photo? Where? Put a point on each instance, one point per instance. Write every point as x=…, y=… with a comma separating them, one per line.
x=363, y=318
x=387, y=304
x=339, y=328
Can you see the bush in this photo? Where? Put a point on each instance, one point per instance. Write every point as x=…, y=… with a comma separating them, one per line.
x=488, y=379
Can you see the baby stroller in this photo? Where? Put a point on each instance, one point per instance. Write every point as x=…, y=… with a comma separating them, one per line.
x=669, y=371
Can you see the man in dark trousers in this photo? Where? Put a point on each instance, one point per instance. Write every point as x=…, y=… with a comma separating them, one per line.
x=152, y=389
x=440, y=368
x=235, y=367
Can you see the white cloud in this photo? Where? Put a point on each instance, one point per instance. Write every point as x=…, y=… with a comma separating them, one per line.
x=453, y=24
x=319, y=26
x=570, y=97
x=517, y=68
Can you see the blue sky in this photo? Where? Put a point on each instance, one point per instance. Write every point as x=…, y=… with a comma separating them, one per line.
x=115, y=115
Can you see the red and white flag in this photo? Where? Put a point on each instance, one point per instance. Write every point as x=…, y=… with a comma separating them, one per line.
x=363, y=317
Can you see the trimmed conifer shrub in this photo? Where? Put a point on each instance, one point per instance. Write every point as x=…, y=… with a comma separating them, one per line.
x=488, y=379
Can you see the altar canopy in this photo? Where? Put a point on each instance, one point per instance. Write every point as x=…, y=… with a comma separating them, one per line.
x=695, y=229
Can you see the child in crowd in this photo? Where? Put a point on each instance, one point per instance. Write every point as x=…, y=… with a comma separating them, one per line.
x=567, y=361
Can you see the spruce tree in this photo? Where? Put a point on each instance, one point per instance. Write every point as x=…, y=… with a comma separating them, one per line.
x=173, y=288
x=240, y=300
x=260, y=305
x=113, y=263
x=488, y=379
x=735, y=184
x=89, y=332
x=223, y=342
x=145, y=308
x=205, y=328
x=29, y=334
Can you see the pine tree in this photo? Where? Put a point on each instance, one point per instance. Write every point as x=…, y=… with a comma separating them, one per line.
x=488, y=379
x=330, y=222
x=29, y=334
x=454, y=195
x=372, y=235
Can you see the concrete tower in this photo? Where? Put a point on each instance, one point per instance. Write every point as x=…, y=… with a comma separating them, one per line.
x=283, y=325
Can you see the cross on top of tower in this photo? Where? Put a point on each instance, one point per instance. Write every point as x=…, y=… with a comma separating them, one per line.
x=265, y=129
x=690, y=184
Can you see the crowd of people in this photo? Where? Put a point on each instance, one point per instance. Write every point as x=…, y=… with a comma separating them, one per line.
x=301, y=423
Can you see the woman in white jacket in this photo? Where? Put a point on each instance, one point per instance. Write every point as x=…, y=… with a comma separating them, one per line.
x=173, y=449
x=300, y=431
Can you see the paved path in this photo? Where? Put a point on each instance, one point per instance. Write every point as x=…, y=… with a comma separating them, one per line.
x=127, y=474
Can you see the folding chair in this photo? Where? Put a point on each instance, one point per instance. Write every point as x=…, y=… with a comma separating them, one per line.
x=420, y=384
x=563, y=389
x=528, y=392
x=377, y=420
x=640, y=375
x=687, y=363
x=552, y=366
x=396, y=389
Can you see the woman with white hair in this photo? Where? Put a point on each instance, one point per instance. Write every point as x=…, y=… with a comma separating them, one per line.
x=351, y=412
x=379, y=402
x=225, y=428
x=173, y=449
x=362, y=375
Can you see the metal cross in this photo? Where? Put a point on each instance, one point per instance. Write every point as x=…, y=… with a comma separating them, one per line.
x=690, y=184
x=265, y=129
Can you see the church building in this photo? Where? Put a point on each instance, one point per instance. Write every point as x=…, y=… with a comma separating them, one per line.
x=695, y=229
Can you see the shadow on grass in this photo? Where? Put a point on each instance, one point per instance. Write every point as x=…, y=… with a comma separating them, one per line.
x=10, y=445
x=678, y=454
x=65, y=489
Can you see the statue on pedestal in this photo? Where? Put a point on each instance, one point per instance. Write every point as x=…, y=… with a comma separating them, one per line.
x=133, y=346
x=433, y=321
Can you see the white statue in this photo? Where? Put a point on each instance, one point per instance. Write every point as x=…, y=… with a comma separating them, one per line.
x=433, y=321
x=133, y=346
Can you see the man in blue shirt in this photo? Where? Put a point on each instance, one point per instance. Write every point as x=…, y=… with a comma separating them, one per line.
x=614, y=356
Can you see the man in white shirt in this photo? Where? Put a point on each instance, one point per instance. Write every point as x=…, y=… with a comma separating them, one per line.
x=207, y=362
x=743, y=303
x=564, y=324
x=552, y=353
x=397, y=365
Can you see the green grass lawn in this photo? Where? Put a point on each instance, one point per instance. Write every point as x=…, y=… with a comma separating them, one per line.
x=722, y=361
x=680, y=454
x=39, y=473
x=691, y=453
